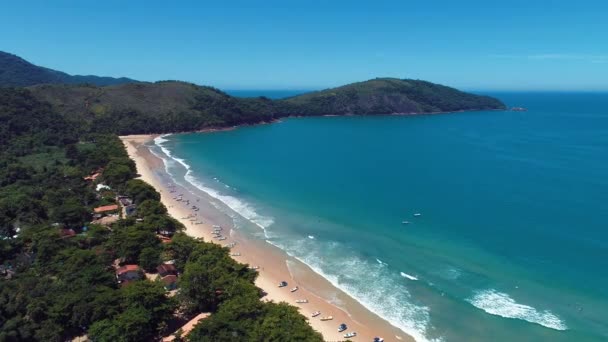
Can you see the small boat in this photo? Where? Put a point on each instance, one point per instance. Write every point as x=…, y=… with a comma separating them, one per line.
x=254, y=267
x=222, y=238
x=342, y=327
x=417, y=214
x=283, y=284
x=301, y=301
x=216, y=226
x=236, y=254
x=327, y=318
x=350, y=334
x=294, y=289
x=378, y=339
x=316, y=313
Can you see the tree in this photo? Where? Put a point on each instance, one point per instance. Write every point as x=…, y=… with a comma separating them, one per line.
x=141, y=191
x=119, y=171
x=151, y=207
x=149, y=258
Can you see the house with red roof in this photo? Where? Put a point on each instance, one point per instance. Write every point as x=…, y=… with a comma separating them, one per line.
x=128, y=273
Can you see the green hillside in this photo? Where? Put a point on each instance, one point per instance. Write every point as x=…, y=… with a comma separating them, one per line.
x=172, y=106
x=17, y=72
x=389, y=96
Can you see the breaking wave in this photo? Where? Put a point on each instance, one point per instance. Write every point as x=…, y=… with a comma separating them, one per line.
x=239, y=206
x=501, y=304
x=384, y=296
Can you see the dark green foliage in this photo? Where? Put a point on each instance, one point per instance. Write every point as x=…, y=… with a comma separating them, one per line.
x=64, y=285
x=246, y=319
x=149, y=258
x=140, y=191
x=151, y=207
x=387, y=96
x=177, y=106
x=128, y=242
x=17, y=72
x=119, y=171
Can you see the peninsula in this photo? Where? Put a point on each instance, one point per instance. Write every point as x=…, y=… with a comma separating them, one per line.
x=90, y=249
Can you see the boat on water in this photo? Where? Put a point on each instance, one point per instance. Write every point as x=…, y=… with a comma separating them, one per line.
x=316, y=313
x=350, y=334
x=417, y=214
x=294, y=289
x=283, y=284
x=342, y=327
x=327, y=318
x=301, y=301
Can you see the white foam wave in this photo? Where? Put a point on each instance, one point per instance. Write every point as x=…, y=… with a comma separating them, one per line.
x=410, y=277
x=311, y=237
x=241, y=207
x=501, y=304
x=369, y=284
x=381, y=262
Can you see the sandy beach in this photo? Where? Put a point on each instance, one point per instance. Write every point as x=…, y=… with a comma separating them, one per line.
x=270, y=261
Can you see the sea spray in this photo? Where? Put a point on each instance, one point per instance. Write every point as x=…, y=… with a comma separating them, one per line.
x=370, y=284
x=239, y=206
x=501, y=304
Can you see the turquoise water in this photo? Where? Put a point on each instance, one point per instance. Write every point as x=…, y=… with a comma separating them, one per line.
x=512, y=241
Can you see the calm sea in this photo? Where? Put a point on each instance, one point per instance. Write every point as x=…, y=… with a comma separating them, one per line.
x=511, y=243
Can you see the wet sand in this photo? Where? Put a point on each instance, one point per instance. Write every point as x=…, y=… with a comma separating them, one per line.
x=271, y=261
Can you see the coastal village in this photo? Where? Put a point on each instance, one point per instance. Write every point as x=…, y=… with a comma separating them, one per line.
x=115, y=206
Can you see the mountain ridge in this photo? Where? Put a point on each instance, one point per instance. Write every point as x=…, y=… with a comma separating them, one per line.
x=120, y=106
x=17, y=72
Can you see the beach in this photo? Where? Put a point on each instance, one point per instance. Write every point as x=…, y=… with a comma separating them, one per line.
x=271, y=262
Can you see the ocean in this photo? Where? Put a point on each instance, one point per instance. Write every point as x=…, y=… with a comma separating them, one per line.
x=475, y=226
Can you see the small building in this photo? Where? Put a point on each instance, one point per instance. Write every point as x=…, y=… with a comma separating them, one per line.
x=166, y=269
x=92, y=177
x=163, y=239
x=106, y=209
x=125, y=201
x=128, y=273
x=67, y=233
x=170, y=282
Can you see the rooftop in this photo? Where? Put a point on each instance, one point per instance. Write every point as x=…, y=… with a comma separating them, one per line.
x=105, y=208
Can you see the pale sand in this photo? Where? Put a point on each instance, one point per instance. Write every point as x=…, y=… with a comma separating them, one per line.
x=272, y=261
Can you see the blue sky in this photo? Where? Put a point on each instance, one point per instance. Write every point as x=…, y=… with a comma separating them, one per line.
x=475, y=45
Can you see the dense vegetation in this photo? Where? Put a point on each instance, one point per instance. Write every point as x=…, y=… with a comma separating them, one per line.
x=60, y=286
x=57, y=268
x=172, y=106
x=17, y=72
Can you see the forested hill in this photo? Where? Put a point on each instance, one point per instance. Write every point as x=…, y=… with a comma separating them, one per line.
x=17, y=72
x=61, y=266
x=390, y=96
x=172, y=106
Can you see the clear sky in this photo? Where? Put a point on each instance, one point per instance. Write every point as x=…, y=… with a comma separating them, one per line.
x=475, y=45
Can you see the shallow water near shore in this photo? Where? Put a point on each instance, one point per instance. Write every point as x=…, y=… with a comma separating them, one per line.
x=511, y=243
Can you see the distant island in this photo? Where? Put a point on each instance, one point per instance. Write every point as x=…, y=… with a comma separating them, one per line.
x=125, y=106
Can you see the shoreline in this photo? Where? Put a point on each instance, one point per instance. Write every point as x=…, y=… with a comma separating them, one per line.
x=272, y=261
x=297, y=116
